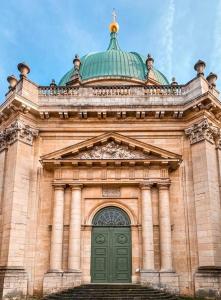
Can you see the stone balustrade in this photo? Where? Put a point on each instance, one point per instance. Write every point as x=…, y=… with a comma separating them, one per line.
x=58, y=91
x=176, y=90
x=113, y=91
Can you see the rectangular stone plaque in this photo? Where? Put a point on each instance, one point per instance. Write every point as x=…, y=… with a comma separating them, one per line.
x=111, y=192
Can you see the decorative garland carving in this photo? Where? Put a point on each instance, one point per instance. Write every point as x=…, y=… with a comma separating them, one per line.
x=203, y=131
x=17, y=131
x=112, y=150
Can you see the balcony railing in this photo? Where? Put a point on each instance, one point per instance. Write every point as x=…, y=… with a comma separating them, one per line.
x=113, y=91
x=164, y=90
x=58, y=91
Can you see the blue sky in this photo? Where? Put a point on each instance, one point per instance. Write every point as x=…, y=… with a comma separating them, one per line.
x=47, y=33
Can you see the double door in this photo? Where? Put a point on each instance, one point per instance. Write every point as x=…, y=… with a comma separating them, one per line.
x=111, y=255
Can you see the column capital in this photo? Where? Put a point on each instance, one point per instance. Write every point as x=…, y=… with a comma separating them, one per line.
x=201, y=131
x=163, y=185
x=75, y=186
x=59, y=186
x=18, y=130
x=146, y=185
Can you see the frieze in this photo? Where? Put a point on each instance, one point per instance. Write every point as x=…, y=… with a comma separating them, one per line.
x=111, y=150
x=17, y=131
x=204, y=130
x=110, y=192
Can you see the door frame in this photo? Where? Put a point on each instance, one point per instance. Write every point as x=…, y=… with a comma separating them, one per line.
x=111, y=229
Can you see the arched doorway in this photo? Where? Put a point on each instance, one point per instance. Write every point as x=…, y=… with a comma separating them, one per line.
x=111, y=246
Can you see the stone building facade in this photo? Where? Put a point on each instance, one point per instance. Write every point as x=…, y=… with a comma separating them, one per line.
x=113, y=175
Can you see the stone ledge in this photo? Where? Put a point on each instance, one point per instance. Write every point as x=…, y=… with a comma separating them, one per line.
x=208, y=283
x=13, y=283
x=54, y=282
x=166, y=281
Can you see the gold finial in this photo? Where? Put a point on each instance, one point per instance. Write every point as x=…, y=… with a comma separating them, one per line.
x=114, y=26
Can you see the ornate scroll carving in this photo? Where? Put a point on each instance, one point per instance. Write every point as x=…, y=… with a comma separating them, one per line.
x=112, y=150
x=17, y=131
x=202, y=131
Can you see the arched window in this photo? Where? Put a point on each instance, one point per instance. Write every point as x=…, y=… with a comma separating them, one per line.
x=111, y=216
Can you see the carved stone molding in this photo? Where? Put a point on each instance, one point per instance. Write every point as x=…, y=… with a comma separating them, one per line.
x=3, y=143
x=112, y=150
x=163, y=185
x=218, y=143
x=146, y=185
x=204, y=130
x=17, y=131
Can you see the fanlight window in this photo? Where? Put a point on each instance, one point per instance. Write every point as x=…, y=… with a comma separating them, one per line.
x=111, y=216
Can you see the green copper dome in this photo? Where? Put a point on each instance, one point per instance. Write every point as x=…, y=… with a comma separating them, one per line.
x=114, y=63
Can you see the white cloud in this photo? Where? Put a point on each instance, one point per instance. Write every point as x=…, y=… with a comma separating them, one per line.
x=167, y=40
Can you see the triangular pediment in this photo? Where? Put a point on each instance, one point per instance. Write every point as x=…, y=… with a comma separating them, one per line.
x=111, y=150
x=111, y=146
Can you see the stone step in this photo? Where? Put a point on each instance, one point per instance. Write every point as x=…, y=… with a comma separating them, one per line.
x=111, y=295
x=111, y=289
x=137, y=297
x=111, y=292
x=149, y=293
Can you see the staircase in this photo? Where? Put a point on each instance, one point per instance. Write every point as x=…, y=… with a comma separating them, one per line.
x=111, y=292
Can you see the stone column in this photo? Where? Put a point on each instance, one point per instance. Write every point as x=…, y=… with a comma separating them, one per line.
x=165, y=228
x=57, y=228
x=74, y=251
x=147, y=228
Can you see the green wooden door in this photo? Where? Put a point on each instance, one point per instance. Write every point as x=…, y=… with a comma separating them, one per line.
x=111, y=254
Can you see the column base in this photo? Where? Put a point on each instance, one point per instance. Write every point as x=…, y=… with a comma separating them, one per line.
x=73, y=271
x=149, y=278
x=208, y=282
x=167, y=281
x=13, y=283
x=54, y=282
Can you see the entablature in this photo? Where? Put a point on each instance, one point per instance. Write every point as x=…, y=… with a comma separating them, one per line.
x=112, y=102
x=111, y=150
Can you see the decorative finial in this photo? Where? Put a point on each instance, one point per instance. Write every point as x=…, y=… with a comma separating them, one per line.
x=23, y=69
x=53, y=84
x=149, y=62
x=114, y=26
x=174, y=82
x=76, y=62
x=211, y=78
x=199, y=67
x=12, y=80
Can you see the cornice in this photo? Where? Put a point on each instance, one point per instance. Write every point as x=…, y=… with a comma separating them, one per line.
x=153, y=107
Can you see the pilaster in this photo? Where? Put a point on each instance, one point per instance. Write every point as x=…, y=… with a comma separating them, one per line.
x=18, y=164
x=207, y=193
x=165, y=228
